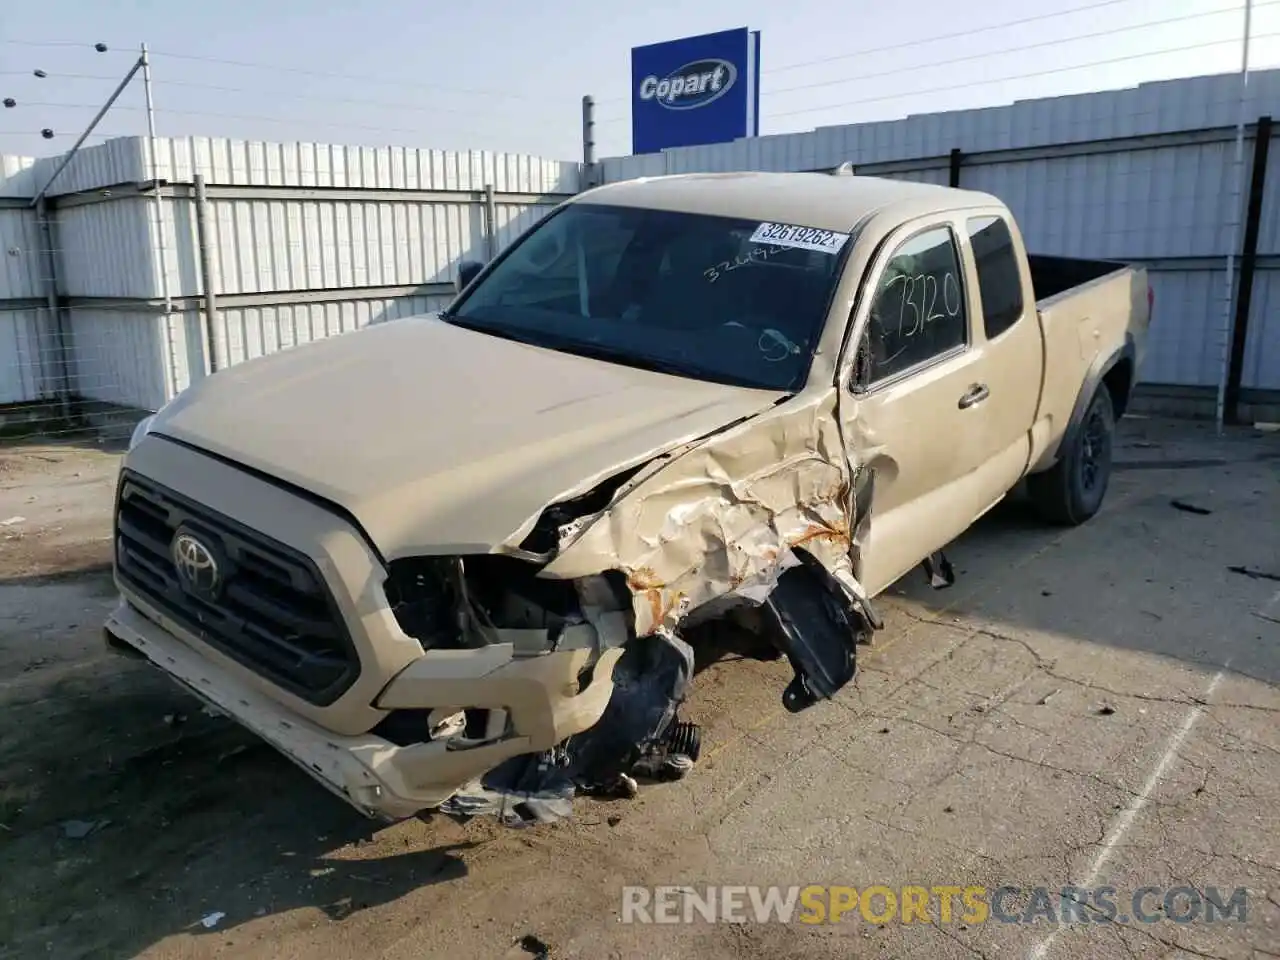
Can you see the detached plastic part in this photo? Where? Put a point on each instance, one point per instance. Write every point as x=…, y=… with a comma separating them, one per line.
x=938, y=570
x=815, y=631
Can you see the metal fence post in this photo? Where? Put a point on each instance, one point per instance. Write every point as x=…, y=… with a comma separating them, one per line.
x=62, y=363
x=589, y=141
x=1228, y=297
x=206, y=275
x=1248, y=266
x=491, y=222
x=953, y=178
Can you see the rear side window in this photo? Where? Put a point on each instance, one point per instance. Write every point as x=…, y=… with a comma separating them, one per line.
x=999, y=280
x=918, y=312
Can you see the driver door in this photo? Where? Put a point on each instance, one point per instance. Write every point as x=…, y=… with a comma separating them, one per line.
x=913, y=405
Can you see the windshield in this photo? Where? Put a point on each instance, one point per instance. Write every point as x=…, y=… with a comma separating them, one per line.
x=731, y=301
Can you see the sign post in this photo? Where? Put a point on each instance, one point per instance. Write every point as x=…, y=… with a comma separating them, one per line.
x=695, y=90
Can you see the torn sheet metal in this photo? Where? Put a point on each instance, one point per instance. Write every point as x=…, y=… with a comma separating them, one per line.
x=727, y=518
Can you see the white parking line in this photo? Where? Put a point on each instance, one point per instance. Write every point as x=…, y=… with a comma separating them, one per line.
x=1130, y=813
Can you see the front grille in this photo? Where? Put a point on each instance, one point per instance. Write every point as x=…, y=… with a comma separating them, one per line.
x=271, y=611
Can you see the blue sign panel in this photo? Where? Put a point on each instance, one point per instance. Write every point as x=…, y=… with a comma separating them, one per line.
x=696, y=90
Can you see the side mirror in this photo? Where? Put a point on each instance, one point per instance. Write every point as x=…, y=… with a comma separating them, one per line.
x=468, y=270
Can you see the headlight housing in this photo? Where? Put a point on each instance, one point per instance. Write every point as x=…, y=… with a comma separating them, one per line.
x=141, y=430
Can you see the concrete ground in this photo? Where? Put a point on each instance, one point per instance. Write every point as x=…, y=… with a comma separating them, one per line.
x=1091, y=707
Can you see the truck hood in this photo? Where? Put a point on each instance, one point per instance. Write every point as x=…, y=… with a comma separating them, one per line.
x=439, y=439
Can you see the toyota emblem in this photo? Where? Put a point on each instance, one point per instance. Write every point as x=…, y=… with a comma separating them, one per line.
x=196, y=566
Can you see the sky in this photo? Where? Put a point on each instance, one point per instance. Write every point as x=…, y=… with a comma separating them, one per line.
x=510, y=76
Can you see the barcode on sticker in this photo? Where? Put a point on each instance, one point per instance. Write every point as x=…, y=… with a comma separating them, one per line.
x=802, y=238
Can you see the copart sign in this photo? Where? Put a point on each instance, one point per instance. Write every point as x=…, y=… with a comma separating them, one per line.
x=696, y=90
x=693, y=85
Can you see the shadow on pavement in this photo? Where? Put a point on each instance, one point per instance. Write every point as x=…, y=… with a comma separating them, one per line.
x=128, y=815
x=1180, y=562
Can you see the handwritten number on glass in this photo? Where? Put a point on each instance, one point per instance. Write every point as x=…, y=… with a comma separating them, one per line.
x=757, y=254
x=921, y=300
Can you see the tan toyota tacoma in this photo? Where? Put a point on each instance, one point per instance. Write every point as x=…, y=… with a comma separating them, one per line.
x=463, y=561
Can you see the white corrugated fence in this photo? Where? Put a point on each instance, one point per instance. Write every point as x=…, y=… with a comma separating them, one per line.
x=306, y=241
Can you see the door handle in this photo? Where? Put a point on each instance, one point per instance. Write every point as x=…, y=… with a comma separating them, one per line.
x=974, y=396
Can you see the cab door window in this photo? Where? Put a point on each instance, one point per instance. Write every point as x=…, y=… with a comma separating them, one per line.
x=919, y=310
x=999, y=279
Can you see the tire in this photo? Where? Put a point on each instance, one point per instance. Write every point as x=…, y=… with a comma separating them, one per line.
x=1072, y=491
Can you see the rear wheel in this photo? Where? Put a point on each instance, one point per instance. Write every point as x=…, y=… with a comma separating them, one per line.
x=1072, y=491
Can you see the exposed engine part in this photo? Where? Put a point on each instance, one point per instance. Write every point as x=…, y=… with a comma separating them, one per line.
x=637, y=736
x=938, y=570
x=421, y=594
x=673, y=756
x=462, y=602
x=465, y=602
x=650, y=681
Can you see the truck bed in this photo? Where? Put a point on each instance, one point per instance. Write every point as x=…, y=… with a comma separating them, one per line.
x=1088, y=310
x=1051, y=276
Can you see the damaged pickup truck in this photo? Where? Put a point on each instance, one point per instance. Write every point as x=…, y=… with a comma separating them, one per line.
x=461, y=561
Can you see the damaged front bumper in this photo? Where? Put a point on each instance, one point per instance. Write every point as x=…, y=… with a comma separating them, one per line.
x=571, y=656
x=544, y=697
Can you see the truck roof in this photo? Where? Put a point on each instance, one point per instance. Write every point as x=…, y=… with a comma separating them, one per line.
x=830, y=201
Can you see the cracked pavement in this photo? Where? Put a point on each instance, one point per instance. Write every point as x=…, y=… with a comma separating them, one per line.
x=1088, y=707
x=1047, y=721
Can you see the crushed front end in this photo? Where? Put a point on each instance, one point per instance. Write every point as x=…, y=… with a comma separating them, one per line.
x=394, y=685
x=501, y=682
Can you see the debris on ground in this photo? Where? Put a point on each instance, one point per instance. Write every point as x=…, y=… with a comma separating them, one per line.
x=79, y=829
x=1106, y=710
x=938, y=570
x=528, y=947
x=12, y=521
x=1253, y=573
x=1186, y=507
x=1045, y=699
x=211, y=920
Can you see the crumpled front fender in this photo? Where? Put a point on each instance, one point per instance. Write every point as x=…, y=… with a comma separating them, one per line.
x=727, y=517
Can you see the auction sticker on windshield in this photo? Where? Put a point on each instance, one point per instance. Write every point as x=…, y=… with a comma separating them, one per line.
x=802, y=238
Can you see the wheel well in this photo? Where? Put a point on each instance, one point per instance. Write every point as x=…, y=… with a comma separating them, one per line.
x=1118, y=381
